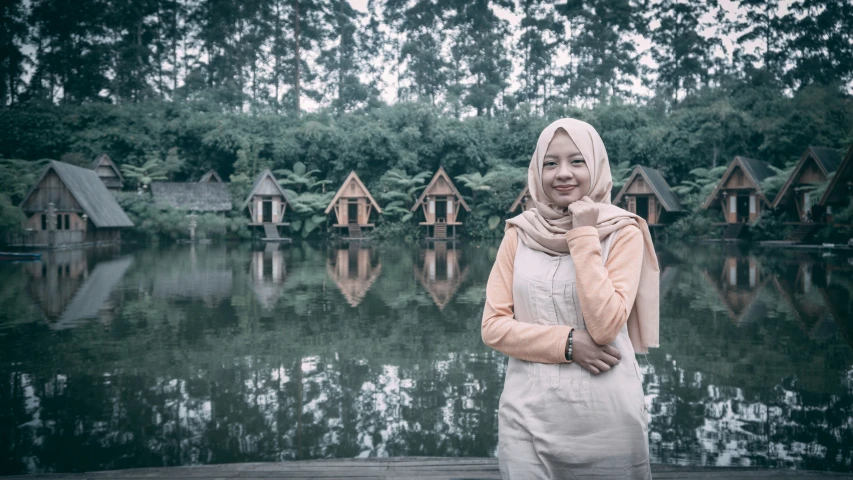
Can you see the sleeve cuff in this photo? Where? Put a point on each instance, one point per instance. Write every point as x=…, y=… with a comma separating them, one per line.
x=581, y=232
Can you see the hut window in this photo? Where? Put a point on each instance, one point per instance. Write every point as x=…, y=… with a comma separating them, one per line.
x=68, y=222
x=733, y=204
x=432, y=206
x=449, y=206
x=43, y=221
x=752, y=204
x=59, y=222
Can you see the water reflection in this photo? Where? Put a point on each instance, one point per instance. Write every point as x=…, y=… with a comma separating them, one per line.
x=354, y=270
x=215, y=354
x=440, y=274
x=268, y=274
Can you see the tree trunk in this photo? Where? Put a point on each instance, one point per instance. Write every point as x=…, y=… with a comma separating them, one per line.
x=296, y=55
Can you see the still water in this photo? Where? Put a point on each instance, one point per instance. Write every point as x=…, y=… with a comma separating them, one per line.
x=117, y=358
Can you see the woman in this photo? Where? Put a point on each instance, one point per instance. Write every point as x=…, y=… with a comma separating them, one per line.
x=572, y=295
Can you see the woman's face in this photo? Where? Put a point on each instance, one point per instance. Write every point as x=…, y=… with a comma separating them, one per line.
x=565, y=174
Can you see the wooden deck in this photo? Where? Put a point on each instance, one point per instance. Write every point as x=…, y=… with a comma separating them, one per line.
x=402, y=468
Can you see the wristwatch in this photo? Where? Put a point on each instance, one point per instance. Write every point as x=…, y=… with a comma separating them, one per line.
x=569, y=347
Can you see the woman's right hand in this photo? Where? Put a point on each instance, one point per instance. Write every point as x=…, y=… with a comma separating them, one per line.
x=592, y=356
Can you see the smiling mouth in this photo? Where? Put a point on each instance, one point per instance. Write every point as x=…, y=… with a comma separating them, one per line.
x=565, y=188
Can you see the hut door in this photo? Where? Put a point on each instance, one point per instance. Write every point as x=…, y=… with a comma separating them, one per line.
x=440, y=211
x=742, y=208
x=352, y=212
x=267, y=207
x=643, y=207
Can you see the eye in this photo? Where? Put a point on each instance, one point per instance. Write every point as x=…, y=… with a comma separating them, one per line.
x=549, y=163
x=578, y=161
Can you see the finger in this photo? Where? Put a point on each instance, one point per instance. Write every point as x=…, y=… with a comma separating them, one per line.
x=586, y=199
x=601, y=366
x=609, y=360
x=591, y=368
x=612, y=351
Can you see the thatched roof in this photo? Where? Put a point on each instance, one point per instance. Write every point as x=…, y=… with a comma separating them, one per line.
x=211, y=176
x=826, y=159
x=353, y=178
x=427, y=191
x=259, y=181
x=90, y=192
x=658, y=184
x=756, y=172
x=192, y=196
x=836, y=191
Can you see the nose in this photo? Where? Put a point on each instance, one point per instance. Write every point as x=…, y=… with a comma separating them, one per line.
x=564, y=171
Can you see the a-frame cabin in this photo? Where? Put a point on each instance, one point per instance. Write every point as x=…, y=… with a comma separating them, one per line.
x=211, y=177
x=353, y=205
x=839, y=192
x=108, y=172
x=440, y=202
x=796, y=196
x=523, y=201
x=740, y=195
x=647, y=194
x=266, y=204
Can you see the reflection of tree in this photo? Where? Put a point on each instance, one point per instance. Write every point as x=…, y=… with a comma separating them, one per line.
x=180, y=379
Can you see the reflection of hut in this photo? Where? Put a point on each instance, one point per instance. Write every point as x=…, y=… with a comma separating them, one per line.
x=800, y=289
x=440, y=274
x=740, y=195
x=268, y=275
x=647, y=194
x=440, y=202
x=108, y=172
x=523, y=200
x=797, y=195
x=738, y=286
x=838, y=295
x=70, y=205
x=67, y=292
x=208, y=279
x=210, y=176
x=839, y=192
x=192, y=196
x=266, y=203
x=353, y=204
x=354, y=272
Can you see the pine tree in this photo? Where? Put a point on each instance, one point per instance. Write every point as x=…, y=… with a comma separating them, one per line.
x=342, y=60
x=537, y=46
x=760, y=22
x=821, y=42
x=13, y=34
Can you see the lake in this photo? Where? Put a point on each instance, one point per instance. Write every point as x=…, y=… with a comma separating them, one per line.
x=117, y=358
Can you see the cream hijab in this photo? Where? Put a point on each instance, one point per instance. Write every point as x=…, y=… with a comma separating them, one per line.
x=544, y=227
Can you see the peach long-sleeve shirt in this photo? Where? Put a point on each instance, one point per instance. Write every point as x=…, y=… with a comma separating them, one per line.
x=606, y=294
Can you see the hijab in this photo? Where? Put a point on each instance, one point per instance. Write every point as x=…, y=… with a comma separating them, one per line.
x=544, y=227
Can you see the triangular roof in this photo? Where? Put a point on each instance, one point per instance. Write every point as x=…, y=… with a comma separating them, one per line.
x=90, y=297
x=756, y=171
x=90, y=192
x=193, y=196
x=439, y=174
x=747, y=312
x=517, y=201
x=104, y=158
x=260, y=178
x=659, y=186
x=835, y=188
x=353, y=177
x=826, y=159
x=210, y=177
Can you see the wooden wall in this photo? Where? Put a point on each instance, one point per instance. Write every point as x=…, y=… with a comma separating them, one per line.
x=51, y=189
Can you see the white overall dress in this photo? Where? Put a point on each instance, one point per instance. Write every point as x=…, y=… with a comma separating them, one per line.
x=559, y=421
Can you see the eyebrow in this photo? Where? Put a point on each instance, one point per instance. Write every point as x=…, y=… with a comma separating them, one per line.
x=573, y=157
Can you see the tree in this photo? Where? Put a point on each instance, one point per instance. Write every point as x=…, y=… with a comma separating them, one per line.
x=537, y=46
x=13, y=34
x=822, y=42
x=683, y=54
x=342, y=60
x=759, y=22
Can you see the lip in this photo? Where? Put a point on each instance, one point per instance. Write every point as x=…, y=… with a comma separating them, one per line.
x=565, y=188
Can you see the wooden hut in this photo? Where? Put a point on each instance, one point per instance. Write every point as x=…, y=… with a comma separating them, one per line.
x=647, y=194
x=739, y=194
x=522, y=201
x=266, y=204
x=354, y=270
x=70, y=206
x=440, y=201
x=796, y=196
x=353, y=205
x=839, y=192
x=440, y=274
x=192, y=196
x=108, y=172
x=798, y=285
x=211, y=176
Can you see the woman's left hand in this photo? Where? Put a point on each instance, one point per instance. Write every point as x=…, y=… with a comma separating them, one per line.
x=584, y=213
